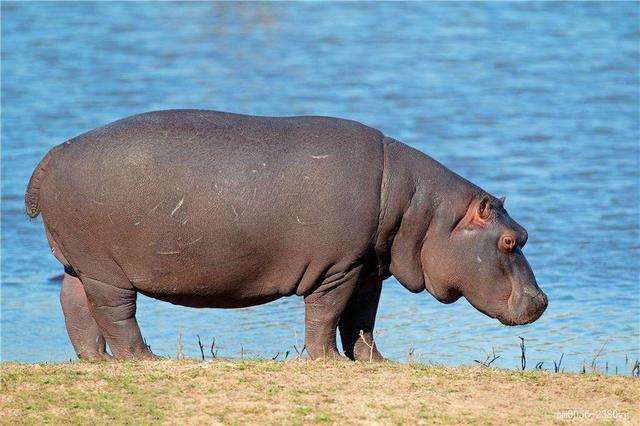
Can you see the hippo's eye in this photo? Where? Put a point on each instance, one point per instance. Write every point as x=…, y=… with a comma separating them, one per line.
x=507, y=243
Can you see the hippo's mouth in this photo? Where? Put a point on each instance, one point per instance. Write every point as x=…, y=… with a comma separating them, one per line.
x=506, y=320
x=526, y=312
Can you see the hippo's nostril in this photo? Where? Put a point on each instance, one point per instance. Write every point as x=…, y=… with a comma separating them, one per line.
x=531, y=291
x=543, y=299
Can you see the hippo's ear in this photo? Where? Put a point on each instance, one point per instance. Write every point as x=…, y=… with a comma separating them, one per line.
x=483, y=209
x=478, y=213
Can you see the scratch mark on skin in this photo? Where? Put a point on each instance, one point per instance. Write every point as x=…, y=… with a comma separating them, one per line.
x=140, y=279
x=301, y=222
x=319, y=157
x=479, y=260
x=109, y=216
x=154, y=209
x=194, y=241
x=177, y=206
x=136, y=223
x=98, y=202
x=168, y=252
x=185, y=221
x=235, y=213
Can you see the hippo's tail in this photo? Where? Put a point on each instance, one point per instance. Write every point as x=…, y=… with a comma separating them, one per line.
x=32, y=196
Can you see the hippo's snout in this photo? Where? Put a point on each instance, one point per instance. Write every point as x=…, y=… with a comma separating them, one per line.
x=527, y=308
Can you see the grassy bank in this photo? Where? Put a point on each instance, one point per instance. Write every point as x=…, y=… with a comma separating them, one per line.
x=296, y=392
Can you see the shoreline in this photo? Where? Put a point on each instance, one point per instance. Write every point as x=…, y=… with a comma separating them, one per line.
x=302, y=391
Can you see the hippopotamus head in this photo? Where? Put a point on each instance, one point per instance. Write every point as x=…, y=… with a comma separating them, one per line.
x=475, y=251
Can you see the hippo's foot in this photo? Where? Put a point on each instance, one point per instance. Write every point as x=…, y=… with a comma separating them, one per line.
x=323, y=309
x=358, y=319
x=114, y=309
x=86, y=338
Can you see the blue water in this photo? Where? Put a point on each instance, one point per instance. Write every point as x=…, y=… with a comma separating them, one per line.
x=535, y=101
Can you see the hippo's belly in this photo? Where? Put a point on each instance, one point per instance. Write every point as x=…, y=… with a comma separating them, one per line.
x=214, y=278
x=213, y=297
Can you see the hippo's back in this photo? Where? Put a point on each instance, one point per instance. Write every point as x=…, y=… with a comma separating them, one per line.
x=191, y=200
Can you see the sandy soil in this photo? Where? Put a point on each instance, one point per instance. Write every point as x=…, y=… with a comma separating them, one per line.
x=303, y=392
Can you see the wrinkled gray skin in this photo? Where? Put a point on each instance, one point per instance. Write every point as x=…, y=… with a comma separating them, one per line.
x=209, y=209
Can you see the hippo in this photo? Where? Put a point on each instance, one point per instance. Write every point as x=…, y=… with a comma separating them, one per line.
x=219, y=210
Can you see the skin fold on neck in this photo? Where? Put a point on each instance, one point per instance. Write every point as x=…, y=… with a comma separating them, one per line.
x=418, y=195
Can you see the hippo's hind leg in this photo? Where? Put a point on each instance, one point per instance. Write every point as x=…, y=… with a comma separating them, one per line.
x=323, y=309
x=357, y=322
x=114, y=309
x=85, y=336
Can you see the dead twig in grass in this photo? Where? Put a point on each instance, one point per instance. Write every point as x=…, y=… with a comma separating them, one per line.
x=635, y=371
x=370, y=346
x=275, y=357
x=523, y=356
x=213, y=344
x=594, y=366
x=201, y=346
x=487, y=362
x=410, y=355
x=179, y=346
x=300, y=352
x=556, y=365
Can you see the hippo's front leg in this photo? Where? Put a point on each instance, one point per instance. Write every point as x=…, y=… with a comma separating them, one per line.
x=357, y=322
x=323, y=309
